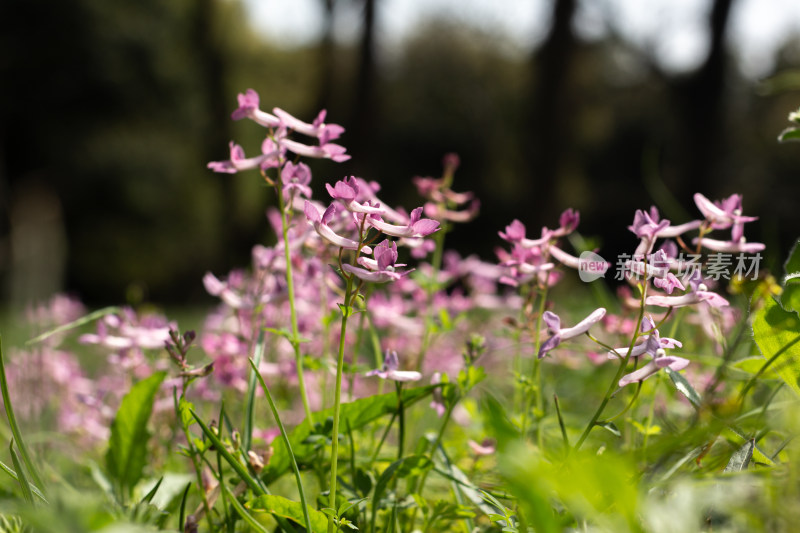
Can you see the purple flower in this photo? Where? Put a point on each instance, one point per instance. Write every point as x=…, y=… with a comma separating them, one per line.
x=390, y=369
x=381, y=269
x=320, y=224
x=732, y=246
x=724, y=214
x=652, y=342
x=660, y=360
x=515, y=233
x=694, y=296
x=347, y=191
x=296, y=178
x=324, y=151
x=568, y=222
x=417, y=226
x=238, y=161
x=248, y=108
x=558, y=334
x=324, y=132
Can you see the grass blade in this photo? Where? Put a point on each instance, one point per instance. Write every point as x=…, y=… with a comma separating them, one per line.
x=275, y=414
x=100, y=313
x=5, y=468
x=250, y=411
x=240, y=469
x=12, y=421
x=252, y=522
x=23, y=480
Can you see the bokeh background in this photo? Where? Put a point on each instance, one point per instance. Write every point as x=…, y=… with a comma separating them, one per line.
x=110, y=110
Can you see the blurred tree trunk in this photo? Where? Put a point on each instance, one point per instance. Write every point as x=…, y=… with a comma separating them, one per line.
x=700, y=99
x=549, y=123
x=364, y=108
x=236, y=240
x=326, y=59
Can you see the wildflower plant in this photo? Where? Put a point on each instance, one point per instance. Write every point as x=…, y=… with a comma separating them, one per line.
x=514, y=407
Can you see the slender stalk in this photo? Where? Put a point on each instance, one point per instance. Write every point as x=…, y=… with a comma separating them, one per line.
x=337, y=396
x=295, y=338
x=620, y=371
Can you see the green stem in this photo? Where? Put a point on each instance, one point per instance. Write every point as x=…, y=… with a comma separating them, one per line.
x=337, y=395
x=620, y=371
x=295, y=338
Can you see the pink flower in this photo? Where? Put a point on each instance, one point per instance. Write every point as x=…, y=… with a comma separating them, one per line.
x=417, y=226
x=390, y=369
x=381, y=269
x=296, y=178
x=239, y=162
x=324, y=151
x=248, y=108
x=724, y=214
x=558, y=334
x=730, y=246
x=347, y=191
x=701, y=294
x=320, y=224
x=661, y=360
x=324, y=132
x=652, y=342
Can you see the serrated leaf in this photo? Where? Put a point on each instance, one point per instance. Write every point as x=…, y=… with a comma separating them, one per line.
x=685, y=388
x=288, y=509
x=741, y=457
x=777, y=334
x=127, y=447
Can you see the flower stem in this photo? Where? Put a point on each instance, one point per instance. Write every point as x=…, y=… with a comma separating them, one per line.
x=337, y=396
x=620, y=371
x=295, y=338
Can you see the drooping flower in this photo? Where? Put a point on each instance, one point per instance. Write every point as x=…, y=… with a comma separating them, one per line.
x=390, y=369
x=559, y=334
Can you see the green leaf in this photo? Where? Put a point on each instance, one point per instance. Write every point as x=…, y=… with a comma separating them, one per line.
x=777, y=334
x=789, y=134
x=281, y=507
x=741, y=457
x=753, y=365
x=127, y=448
x=358, y=414
x=790, y=298
x=413, y=465
x=685, y=388
x=23, y=479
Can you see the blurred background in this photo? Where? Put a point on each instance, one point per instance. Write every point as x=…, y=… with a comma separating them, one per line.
x=109, y=112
